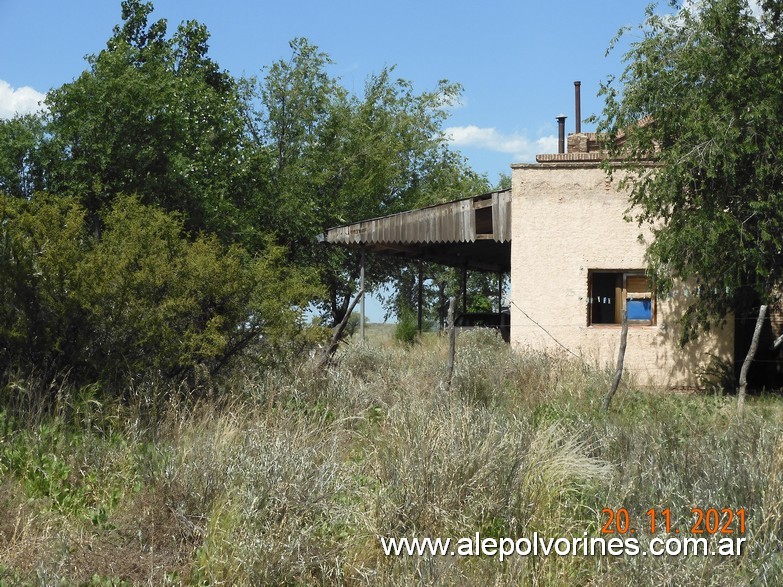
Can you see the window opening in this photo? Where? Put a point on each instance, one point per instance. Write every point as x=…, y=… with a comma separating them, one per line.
x=609, y=292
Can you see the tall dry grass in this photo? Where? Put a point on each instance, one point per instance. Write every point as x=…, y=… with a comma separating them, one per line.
x=292, y=477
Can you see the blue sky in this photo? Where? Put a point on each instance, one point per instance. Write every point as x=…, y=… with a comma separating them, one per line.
x=516, y=60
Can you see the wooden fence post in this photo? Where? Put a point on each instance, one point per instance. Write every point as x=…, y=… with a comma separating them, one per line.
x=618, y=374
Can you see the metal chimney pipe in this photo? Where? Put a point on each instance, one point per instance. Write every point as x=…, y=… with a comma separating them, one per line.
x=578, y=102
x=561, y=133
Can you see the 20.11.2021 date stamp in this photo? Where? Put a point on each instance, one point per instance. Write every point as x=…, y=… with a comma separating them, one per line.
x=703, y=521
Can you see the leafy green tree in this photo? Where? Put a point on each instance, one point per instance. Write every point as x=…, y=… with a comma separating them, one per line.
x=701, y=98
x=154, y=116
x=504, y=182
x=439, y=283
x=337, y=158
x=233, y=177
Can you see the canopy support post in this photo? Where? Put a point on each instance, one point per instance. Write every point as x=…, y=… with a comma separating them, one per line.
x=361, y=306
x=420, y=296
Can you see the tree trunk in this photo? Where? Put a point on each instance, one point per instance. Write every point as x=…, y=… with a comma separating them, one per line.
x=754, y=345
x=618, y=374
x=443, y=304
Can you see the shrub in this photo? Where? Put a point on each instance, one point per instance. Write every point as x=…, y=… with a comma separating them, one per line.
x=353, y=324
x=134, y=296
x=407, y=327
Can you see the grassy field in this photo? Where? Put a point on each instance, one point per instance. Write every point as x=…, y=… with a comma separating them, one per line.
x=290, y=476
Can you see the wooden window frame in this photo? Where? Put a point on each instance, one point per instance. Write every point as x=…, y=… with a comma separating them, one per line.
x=620, y=297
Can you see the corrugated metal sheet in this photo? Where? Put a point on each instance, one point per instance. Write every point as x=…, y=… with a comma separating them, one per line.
x=451, y=222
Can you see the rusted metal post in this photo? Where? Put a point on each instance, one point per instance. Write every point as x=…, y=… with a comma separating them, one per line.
x=578, y=107
x=561, y=133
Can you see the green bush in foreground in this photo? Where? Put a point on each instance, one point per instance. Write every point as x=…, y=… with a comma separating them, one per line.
x=293, y=480
x=131, y=296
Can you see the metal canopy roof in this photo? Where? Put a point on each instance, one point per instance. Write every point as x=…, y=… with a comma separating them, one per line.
x=474, y=233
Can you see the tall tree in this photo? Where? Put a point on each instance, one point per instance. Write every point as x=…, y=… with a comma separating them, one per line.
x=154, y=116
x=701, y=96
x=336, y=158
x=128, y=212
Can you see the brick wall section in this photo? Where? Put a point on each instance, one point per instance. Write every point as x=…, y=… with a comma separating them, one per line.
x=585, y=142
x=569, y=157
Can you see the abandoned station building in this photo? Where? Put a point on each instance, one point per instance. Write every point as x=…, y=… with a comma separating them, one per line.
x=575, y=264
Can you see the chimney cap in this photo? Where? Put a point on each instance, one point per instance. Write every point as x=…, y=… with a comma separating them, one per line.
x=561, y=116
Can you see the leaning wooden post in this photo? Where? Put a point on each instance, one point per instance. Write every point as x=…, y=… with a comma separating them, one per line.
x=754, y=345
x=452, y=338
x=337, y=333
x=618, y=374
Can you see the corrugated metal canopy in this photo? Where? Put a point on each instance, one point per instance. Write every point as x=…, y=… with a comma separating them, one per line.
x=473, y=232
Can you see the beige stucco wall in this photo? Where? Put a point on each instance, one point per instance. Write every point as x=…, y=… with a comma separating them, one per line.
x=566, y=220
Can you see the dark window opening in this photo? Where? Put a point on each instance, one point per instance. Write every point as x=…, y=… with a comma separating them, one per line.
x=611, y=292
x=484, y=220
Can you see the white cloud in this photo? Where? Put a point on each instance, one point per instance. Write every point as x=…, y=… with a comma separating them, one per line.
x=522, y=147
x=24, y=100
